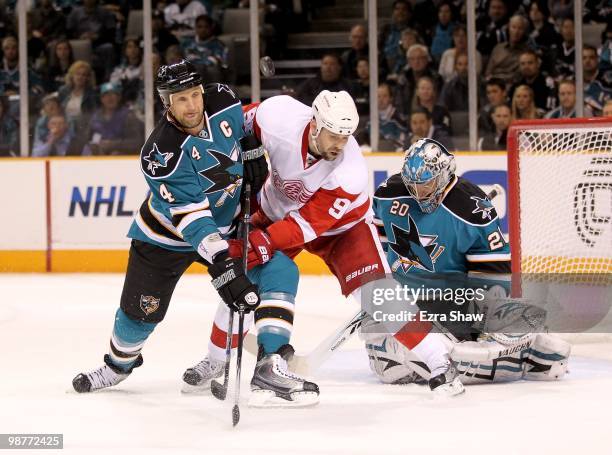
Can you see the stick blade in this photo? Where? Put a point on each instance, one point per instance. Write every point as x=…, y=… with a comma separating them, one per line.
x=219, y=391
x=235, y=415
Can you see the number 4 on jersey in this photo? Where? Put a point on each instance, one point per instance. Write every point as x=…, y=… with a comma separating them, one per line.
x=165, y=194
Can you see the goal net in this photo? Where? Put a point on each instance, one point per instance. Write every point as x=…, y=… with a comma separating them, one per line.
x=560, y=184
x=560, y=208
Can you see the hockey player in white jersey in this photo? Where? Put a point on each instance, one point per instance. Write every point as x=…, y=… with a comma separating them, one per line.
x=438, y=226
x=316, y=199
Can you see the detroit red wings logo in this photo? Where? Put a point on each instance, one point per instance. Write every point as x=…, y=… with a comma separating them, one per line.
x=292, y=189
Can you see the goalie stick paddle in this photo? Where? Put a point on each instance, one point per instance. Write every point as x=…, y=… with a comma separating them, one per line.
x=307, y=364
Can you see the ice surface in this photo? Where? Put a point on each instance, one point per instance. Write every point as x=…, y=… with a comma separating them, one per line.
x=54, y=326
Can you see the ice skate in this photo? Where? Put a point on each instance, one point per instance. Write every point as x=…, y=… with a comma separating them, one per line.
x=273, y=385
x=448, y=383
x=199, y=377
x=107, y=375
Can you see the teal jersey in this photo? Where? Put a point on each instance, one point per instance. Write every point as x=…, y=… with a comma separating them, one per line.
x=462, y=235
x=194, y=182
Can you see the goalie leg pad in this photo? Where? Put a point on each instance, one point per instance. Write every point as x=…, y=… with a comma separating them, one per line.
x=547, y=358
x=393, y=363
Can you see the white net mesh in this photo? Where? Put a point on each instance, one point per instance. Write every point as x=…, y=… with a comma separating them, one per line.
x=565, y=189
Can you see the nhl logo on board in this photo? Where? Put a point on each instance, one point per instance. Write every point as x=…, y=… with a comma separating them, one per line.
x=149, y=304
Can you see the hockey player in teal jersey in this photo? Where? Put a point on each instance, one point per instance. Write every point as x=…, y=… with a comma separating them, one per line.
x=436, y=226
x=194, y=162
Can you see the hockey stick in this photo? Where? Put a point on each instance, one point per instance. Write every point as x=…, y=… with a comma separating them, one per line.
x=219, y=390
x=309, y=363
x=246, y=218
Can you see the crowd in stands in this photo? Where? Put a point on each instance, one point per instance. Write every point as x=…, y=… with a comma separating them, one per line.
x=85, y=69
x=524, y=65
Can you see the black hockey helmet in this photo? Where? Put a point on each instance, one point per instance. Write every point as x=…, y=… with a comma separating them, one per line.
x=176, y=78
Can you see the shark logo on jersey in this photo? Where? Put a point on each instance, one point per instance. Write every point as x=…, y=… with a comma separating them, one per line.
x=414, y=249
x=483, y=206
x=225, y=88
x=157, y=159
x=224, y=176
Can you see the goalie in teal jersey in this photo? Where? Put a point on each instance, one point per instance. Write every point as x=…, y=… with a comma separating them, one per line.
x=440, y=230
x=194, y=162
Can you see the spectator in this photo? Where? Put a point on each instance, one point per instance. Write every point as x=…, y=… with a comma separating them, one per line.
x=443, y=33
x=59, y=141
x=426, y=97
x=496, y=95
x=78, y=95
x=504, y=60
x=408, y=38
x=9, y=130
x=390, y=122
x=597, y=87
x=605, y=51
x=421, y=127
x=94, y=22
x=206, y=51
x=174, y=54
x=418, y=66
x=563, y=54
x=50, y=106
x=502, y=116
x=492, y=29
x=607, y=109
x=36, y=47
x=48, y=23
x=359, y=49
x=523, y=105
x=329, y=78
x=560, y=9
x=9, y=73
x=567, y=102
x=455, y=92
x=60, y=59
x=542, y=86
x=362, y=87
x=447, y=63
x=129, y=73
x=162, y=38
x=542, y=31
x=401, y=18
x=113, y=130
x=182, y=14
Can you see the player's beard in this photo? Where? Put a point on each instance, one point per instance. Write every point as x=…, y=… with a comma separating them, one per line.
x=323, y=154
x=190, y=123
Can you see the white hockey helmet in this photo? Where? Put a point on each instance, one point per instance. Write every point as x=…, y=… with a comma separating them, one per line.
x=335, y=111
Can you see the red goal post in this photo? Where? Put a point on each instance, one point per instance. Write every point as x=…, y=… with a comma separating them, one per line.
x=560, y=195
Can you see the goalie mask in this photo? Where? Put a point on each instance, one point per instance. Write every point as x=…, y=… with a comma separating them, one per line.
x=428, y=169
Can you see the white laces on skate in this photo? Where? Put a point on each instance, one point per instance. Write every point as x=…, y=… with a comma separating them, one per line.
x=104, y=377
x=208, y=367
x=282, y=369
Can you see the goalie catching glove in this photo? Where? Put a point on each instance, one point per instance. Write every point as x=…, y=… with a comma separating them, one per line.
x=254, y=163
x=234, y=287
x=260, y=248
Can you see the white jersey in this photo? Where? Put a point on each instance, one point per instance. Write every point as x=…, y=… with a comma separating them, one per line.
x=312, y=199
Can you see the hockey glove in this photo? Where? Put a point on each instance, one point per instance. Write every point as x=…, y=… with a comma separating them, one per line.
x=232, y=284
x=254, y=163
x=260, y=248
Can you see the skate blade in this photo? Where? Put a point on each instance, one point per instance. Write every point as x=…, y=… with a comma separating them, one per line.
x=452, y=389
x=189, y=389
x=269, y=399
